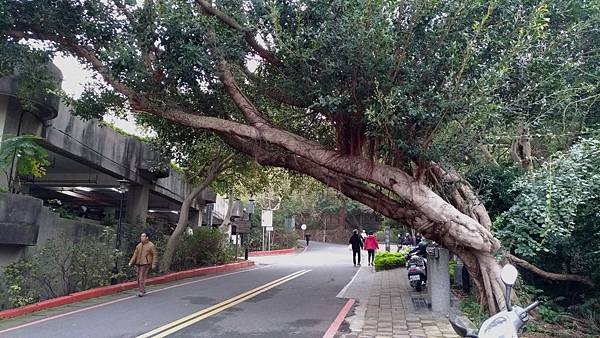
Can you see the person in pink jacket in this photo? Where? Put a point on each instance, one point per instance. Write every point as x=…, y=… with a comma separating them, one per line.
x=371, y=245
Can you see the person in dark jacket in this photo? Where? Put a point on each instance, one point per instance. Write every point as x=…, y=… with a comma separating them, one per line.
x=357, y=244
x=420, y=250
x=407, y=240
x=418, y=238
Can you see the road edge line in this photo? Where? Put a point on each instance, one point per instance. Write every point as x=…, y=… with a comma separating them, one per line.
x=339, y=319
x=272, y=252
x=343, y=290
x=39, y=321
x=112, y=289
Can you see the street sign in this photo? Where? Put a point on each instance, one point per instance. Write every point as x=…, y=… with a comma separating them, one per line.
x=269, y=228
x=267, y=218
x=242, y=225
x=303, y=227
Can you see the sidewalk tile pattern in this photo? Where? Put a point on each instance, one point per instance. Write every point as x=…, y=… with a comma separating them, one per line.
x=391, y=311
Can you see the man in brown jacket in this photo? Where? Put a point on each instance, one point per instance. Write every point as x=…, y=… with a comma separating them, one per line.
x=144, y=256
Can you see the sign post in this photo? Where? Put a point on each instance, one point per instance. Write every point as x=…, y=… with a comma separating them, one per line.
x=386, y=234
x=269, y=233
x=266, y=221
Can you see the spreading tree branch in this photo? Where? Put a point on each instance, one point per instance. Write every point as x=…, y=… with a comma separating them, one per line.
x=248, y=33
x=274, y=93
x=549, y=275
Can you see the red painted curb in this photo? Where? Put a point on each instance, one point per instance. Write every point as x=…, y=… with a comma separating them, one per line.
x=272, y=252
x=339, y=319
x=110, y=289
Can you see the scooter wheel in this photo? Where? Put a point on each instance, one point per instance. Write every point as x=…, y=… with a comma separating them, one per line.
x=418, y=287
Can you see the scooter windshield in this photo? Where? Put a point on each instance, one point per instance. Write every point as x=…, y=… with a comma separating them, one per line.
x=498, y=326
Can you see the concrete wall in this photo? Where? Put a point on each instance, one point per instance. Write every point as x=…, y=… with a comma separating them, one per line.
x=22, y=213
x=98, y=145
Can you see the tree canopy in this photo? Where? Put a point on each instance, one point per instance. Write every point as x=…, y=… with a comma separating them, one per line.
x=386, y=100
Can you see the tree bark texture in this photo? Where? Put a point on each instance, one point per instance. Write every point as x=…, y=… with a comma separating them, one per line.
x=520, y=149
x=227, y=218
x=464, y=236
x=211, y=175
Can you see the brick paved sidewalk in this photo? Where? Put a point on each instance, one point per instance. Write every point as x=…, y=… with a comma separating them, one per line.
x=394, y=309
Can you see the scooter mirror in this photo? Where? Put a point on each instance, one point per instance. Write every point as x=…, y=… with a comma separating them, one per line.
x=509, y=274
x=459, y=329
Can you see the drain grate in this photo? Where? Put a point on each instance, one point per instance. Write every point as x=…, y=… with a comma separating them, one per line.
x=419, y=303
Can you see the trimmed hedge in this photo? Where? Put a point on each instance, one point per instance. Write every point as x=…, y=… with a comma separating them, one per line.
x=389, y=260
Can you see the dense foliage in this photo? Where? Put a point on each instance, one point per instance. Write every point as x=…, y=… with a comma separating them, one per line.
x=389, y=260
x=205, y=246
x=553, y=220
x=281, y=239
x=56, y=269
x=27, y=156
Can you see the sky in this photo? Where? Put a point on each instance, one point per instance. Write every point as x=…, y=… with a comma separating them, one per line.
x=75, y=76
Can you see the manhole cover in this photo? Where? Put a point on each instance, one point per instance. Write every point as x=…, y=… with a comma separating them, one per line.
x=419, y=303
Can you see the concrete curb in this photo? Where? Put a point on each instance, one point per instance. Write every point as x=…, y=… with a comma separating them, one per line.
x=272, y=252
x=111, y=289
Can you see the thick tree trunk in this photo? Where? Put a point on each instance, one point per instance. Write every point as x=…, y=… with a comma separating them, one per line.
x=486, y=153
x=212, y=173
x=227, y=218
x=439, y=221
x=520, y=149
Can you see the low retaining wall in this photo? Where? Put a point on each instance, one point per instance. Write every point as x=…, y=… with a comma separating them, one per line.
x=111, y=289
x=272, y=252
x=25, y=222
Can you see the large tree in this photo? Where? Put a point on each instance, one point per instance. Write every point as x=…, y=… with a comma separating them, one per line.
x=381, y=100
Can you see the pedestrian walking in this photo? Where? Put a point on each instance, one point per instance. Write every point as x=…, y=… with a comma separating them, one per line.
x=363, y=235
x=144, y=257
x=307, y=237
x=418, y=238
x=371, y=245
x=408, y=241
x=399, y=242
x=356, y=243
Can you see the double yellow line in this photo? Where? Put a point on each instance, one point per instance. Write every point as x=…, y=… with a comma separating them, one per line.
x=186, y=321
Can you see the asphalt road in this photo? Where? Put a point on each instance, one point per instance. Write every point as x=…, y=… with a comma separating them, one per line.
x=282, y=296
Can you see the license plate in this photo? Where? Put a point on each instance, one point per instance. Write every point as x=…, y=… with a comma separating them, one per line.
x=414, y=277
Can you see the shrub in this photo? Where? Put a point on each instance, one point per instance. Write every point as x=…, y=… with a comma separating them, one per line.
x=204, y=247
x=471, y=308
x=590, y=309
x=282, y=239
x=451, y=266
x=389, y=260
x=58, y=268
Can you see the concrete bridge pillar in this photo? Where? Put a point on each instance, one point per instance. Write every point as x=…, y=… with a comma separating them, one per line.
x=197, y=216
x=137, y=203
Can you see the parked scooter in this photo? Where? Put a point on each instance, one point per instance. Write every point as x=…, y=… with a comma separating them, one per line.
x=417, y=272
x=505, y=324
